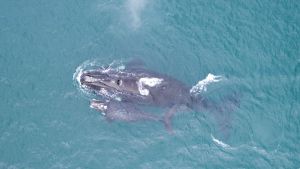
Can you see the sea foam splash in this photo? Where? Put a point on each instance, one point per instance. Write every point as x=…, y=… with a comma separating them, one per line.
x=135, y=8
x=219, y=142
x=202, y=84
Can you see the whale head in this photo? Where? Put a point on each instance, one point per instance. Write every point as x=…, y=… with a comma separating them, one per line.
x=103, y=81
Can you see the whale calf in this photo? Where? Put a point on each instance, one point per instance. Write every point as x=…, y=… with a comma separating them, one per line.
x=123, y=91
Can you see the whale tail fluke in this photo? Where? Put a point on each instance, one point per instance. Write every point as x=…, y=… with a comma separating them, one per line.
x=220, y=110
x=223, y=113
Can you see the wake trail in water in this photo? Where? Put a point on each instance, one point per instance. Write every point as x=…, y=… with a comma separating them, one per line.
x=219, y=142
x=243, y=147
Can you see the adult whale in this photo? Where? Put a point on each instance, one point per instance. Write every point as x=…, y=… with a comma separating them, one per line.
x=123, y=91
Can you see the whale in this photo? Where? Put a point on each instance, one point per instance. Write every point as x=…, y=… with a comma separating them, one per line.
x=121, y=94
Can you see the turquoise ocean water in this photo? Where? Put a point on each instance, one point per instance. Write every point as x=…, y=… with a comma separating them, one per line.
x=46, y=121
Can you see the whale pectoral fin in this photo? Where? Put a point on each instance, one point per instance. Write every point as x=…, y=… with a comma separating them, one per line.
x=168, y=118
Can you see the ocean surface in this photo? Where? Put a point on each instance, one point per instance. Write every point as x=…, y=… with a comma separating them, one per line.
x=46, y=122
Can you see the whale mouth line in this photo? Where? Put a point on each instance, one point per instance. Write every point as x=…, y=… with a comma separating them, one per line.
x=99, y=84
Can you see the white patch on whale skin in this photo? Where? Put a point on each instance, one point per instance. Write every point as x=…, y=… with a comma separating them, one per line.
x=89, y=79
x=118, y=99
x=202, y=84
x=148, y=81
x=100, y=106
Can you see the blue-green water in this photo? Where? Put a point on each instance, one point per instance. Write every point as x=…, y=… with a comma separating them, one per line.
x=46, y=122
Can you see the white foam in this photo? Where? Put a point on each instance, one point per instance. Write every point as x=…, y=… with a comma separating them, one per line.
x=135, y=8
x=82, y=67
x=151, y=82
x=115, y=65
x=202, y=84
x=219, y=142
x=261, y=151
x=76, y=77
